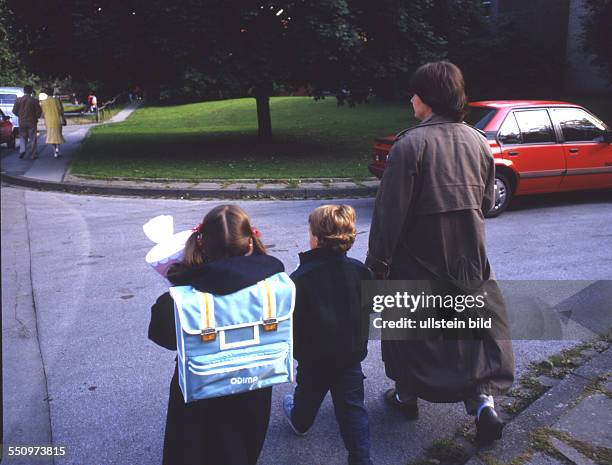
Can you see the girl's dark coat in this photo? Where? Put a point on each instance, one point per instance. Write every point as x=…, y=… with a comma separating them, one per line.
x=221, y=431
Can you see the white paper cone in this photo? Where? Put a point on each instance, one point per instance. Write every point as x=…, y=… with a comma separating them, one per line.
x=159, y=229
x=168, y=252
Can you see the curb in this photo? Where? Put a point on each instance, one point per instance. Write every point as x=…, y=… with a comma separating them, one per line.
x=545, y=411
x=188, y=194
x=85, y=177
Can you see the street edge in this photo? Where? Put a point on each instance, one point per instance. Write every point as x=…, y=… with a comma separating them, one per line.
x=544, y=411
x=284, y=193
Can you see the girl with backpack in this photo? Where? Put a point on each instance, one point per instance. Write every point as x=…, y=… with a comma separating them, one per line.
x=223, y=255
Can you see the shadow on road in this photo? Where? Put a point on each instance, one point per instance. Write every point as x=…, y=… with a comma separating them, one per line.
x=532, y=202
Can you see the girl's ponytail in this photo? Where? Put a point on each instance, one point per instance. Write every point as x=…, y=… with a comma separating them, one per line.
x=225, y=232
x=193, y=251
x=258, y=247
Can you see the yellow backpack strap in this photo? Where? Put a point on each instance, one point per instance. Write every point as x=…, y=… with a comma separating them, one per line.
x=270, y=322
x=207, y=312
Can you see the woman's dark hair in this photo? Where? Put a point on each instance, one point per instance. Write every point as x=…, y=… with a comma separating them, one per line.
x=440, y=85
x=225, y=232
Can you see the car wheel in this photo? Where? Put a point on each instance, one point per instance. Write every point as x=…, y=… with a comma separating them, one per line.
x=503, y=195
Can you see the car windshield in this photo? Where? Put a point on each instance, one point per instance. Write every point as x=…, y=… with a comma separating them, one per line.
x=479, y=116
x=7, y=99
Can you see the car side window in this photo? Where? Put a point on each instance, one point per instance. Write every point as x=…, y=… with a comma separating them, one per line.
x=535, y=126
x=509, y=132
x=8, y=99
x=578, y=126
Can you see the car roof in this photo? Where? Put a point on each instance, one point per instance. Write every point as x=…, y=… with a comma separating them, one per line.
x=520, y=103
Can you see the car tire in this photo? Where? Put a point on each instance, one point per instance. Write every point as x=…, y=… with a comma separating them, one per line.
x=503, y=195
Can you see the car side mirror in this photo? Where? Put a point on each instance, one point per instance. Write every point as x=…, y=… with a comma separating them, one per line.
x=6, y=118
x=608, y=136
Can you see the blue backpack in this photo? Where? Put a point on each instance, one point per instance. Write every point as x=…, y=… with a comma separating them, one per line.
x=228, y=344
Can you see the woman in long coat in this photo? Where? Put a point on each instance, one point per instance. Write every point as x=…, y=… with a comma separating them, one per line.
x=53, y=113
x=428, y=224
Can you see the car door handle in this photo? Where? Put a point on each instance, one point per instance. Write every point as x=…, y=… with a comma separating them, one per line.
x=573, y=150
x=513, y=154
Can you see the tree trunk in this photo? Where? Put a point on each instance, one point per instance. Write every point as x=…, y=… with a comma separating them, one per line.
x=264, y=121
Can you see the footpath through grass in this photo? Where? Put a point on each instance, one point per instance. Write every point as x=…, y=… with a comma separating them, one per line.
x=218, y=140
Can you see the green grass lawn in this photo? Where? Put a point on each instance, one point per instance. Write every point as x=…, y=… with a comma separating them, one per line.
x=71, y=107
x=218, y=140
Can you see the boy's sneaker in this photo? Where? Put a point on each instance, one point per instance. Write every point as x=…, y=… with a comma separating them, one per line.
x=288, y=408
x=410, y=410
x=56, y=153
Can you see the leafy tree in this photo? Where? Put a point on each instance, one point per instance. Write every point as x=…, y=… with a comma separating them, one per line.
x=598, y=32
x=498, y=56
x=397, y=37
x=467, y=33
x=216, y=48
x=192, y=49
x=13, y=71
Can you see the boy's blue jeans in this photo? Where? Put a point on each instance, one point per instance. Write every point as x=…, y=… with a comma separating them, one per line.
x=345, y=382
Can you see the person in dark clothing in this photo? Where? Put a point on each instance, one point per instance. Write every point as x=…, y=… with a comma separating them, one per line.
x=223, y=255
x=428, y=224
x=330, y=331
x=27, y=108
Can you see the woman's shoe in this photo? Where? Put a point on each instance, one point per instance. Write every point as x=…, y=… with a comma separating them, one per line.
x=410, y=410
x=488, y=427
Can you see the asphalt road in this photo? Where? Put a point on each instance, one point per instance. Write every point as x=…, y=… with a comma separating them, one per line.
x=76, y=294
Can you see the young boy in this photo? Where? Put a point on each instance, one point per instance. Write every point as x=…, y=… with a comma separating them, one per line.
x=330, y=331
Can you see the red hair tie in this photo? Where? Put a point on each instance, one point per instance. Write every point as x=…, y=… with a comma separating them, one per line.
x=197, y=230
x=255, y=232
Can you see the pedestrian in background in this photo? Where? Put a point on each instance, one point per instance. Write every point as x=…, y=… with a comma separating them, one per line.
x=428, y=224
x=53, y=113
x=92, y=102
x=28, y=110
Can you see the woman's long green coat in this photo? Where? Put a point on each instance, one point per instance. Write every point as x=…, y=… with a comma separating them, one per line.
x=428, y=224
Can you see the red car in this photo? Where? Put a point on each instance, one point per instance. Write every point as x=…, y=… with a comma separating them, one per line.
x=538, y=146
x=7, y=132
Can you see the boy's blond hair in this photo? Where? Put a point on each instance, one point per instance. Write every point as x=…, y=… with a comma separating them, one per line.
x=334, y=226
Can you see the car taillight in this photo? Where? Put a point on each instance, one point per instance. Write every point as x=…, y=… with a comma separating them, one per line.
x=380, y=155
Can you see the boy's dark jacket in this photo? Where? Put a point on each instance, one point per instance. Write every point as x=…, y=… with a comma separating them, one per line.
x=328, y=321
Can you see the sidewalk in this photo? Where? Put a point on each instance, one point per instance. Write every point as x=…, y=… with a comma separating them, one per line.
x=48, y=173
x=569, y=422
